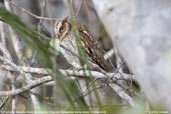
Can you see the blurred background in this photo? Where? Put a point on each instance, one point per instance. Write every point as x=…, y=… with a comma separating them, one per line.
x=134, y=37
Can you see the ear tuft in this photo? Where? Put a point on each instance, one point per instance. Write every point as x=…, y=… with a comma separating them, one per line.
x=66, y=18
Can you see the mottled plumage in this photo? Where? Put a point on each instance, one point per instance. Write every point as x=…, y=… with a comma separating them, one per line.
x=64, y=32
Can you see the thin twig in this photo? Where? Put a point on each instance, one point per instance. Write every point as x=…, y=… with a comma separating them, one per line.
x=42, y=15
x=51, y=23
x=31, y=14
x=76, y=14
x=3, y=102
x=85, y=93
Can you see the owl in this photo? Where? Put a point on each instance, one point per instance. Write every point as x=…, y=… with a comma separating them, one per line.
x=64, y=32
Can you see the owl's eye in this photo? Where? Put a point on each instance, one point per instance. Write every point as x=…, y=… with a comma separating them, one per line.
x=61, y=29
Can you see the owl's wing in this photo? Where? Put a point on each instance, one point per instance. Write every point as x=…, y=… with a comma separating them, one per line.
x=91, y=48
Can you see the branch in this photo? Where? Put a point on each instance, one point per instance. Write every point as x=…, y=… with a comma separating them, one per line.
x=13, y=67
x=70, y=73
x=82, y=73
x=122, y=94
x=46, y=79
x=32, y=84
